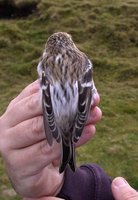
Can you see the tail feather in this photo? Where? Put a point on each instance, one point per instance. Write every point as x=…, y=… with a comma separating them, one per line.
x=68, y=156
x=72, y=161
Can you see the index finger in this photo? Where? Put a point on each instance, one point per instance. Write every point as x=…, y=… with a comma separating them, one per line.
x=95, y=99
x=27, y=91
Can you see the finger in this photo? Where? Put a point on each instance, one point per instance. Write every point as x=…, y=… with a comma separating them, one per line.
x=26, y=133
x=36, y=156
x=122, y=190
x=95, y=99
x=26, y=108
x=27, y=91
x=32, y=131
x=88, y=133
x=94, y=116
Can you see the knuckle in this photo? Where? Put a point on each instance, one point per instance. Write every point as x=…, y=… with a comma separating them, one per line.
x=30, y=89
x=50, y=152
x=33, y=88
x=37, y=125
x=33, y=102
x=44, y=148
x=11, y=103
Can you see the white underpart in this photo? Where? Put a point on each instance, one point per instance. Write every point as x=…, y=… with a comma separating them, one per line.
x=64, y=110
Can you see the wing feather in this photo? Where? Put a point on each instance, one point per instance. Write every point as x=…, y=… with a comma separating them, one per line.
x=85, y=86
x=50, y=126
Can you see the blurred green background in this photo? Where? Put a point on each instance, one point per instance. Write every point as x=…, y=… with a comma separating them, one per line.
x=107, y=31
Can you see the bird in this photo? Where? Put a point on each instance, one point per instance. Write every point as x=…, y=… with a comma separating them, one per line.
x=66, y=80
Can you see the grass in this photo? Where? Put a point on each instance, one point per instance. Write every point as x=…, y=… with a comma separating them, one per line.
x=107, y=31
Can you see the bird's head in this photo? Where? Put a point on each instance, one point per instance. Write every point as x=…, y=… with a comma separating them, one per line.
x=59, y=40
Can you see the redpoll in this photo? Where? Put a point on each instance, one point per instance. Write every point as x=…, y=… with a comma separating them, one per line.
x=67, y=90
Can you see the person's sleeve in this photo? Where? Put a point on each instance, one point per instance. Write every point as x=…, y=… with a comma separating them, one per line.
x=89, y=182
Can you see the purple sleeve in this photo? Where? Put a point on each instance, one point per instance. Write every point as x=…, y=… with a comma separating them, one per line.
x=89, y=182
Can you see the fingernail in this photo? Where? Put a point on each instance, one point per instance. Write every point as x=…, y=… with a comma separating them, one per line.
x=119, y=182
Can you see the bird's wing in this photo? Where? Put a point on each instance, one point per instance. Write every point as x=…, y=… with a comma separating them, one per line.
x=85, y=86
x=50, y=127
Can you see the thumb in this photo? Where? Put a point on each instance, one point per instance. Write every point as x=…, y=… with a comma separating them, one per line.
x=122, y=190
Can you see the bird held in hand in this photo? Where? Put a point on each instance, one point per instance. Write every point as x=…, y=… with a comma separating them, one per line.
x=67, y=90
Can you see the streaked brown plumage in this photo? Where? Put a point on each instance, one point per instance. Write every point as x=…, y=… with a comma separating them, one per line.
x=67, y=89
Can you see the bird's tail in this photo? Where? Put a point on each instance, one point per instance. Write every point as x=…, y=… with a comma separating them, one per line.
x=68, y=156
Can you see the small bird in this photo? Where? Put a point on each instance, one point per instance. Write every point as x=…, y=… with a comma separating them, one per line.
x=67, y=89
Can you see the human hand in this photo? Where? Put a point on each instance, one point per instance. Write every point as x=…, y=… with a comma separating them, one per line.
x=30, y=162
x=122, y=190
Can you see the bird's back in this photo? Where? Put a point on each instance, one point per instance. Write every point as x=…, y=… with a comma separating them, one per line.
x=66, y=79
x=64, y=101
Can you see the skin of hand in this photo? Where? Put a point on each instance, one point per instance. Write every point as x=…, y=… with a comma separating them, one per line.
x=32, y=165
x=122, y=190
